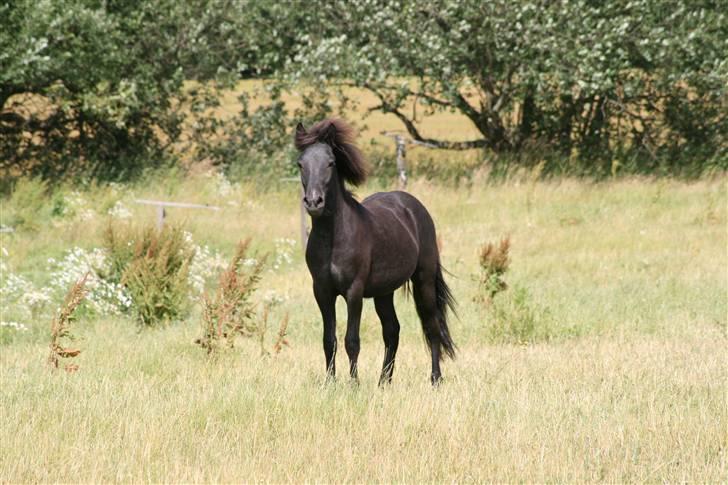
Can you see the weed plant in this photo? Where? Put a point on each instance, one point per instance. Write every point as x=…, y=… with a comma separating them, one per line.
x=154, y=266
x=61, y=327
x=230, y=312
x=494, y=262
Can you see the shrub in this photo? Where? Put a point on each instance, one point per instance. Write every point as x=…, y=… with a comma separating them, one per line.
x=230, y=312
x=25, y=205
x=517, y=320
x=153, y=265
x=494, y=262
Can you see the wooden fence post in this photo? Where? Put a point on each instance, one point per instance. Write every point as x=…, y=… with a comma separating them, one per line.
x=401, y=163
x=401, y=143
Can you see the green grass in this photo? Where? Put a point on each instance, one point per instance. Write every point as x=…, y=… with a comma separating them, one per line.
x=621, y=375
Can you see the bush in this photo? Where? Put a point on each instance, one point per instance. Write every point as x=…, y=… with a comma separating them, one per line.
x=515, y=319
x=25, y=204
x=153, y=265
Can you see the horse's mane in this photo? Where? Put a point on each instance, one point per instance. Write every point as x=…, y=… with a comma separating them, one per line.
x=340, y=136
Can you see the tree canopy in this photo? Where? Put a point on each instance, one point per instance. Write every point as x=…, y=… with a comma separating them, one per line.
x=98, y=86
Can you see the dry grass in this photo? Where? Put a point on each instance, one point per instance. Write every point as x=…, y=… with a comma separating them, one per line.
x=630, y=387
x=636, y=409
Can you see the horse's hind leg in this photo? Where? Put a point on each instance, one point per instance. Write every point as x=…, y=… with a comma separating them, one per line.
x=423, y=290
x=390, y=332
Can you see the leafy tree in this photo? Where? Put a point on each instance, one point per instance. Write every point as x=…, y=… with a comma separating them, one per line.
x=101, y=88
x=575, y=74
x=97, y=88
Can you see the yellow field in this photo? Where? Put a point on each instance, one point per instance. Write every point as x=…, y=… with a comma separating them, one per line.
x=627, y=381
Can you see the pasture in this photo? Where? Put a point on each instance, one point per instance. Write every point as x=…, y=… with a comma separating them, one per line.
x=603, y=360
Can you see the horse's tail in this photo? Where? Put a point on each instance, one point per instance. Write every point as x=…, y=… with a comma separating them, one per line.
x=444, y=299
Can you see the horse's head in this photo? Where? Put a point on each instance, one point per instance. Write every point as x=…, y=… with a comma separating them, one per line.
x=318, y=166
x=327, y=155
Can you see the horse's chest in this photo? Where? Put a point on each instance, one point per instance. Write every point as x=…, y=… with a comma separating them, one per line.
x=342, y=273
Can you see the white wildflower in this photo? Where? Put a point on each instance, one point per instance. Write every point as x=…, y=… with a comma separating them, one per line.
x=284, y=252
x=13, y=325
x=120, y=211
x=205, y=265
x=104, y=296
x=272, y=298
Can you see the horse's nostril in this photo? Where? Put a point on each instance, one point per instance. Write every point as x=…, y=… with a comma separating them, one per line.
x=319, y=201
x=305, y=200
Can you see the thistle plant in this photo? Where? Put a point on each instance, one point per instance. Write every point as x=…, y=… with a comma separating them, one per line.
x=61, y=326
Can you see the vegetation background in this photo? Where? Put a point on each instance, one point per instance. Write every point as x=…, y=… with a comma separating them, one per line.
x=106, y=89
x=591, y=134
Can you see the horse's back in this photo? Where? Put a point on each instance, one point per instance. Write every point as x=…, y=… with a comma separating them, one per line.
x=405, y=207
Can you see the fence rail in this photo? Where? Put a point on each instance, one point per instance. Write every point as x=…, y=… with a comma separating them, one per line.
x=162, y=213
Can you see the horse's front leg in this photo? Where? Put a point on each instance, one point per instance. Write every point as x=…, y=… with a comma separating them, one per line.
x=326, y=300
x=351, y=341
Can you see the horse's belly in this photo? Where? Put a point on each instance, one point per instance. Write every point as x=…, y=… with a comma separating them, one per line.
x=391, y=267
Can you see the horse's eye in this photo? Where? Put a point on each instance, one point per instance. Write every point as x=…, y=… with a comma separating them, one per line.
x=331, y=164
x=299, y=164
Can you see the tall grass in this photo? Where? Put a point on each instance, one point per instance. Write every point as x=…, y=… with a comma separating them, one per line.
x=617, y=290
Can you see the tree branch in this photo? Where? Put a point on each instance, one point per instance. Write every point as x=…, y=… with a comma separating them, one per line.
x=387, y=107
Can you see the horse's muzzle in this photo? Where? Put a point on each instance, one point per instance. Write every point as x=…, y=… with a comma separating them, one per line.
x=314, y=207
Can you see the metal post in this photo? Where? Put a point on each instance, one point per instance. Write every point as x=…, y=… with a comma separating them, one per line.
x=401, y=163
x=160, y=217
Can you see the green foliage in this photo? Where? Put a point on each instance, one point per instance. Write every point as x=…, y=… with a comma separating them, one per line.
x=252, y=142
x=642, y=80
x=80, y=81
x=153, y=265
x=23, y=208
x=99, y=89
x=516, y=319
x=98, y=86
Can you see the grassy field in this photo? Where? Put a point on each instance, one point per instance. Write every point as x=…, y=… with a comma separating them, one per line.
x=610, y=365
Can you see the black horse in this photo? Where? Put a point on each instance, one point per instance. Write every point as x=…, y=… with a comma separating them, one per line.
x=367, y=250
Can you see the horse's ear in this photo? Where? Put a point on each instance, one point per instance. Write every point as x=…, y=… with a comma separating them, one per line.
x=300, y=130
